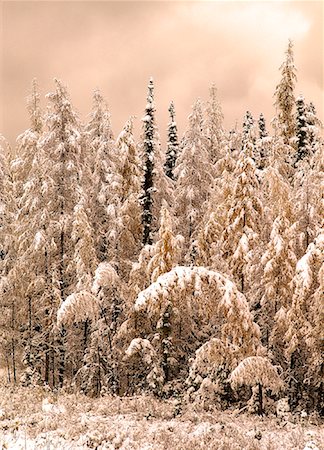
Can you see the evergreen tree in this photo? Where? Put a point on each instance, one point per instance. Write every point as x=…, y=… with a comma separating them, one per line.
x=301, y=130
x=262, y=144
x=262, y=127
x=149, y=148
x=172, y=145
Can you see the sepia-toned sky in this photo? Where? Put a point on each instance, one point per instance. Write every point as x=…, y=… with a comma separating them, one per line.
x=116, y=46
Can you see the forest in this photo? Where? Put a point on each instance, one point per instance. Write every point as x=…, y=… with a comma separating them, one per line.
x=193, y=272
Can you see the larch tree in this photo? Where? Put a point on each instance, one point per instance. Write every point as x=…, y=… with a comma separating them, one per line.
x=22, y=280
x=259, y=372
x=172, y=144
x=243, y=225
x=80, y=307
x=129, y=214
x=207, y=244
x=302, y=324
x=194, y=175
x=11, y=306
x=284, y=122
x=214, y=125
x=27, y=141
x=47, y=249
x=198, y=302
x=279, y=263
x=103, y=180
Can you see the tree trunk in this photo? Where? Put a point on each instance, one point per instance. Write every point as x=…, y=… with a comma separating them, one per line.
x=260, y=410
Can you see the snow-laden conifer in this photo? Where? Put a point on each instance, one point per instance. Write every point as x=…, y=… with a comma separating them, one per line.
x=78, y=307
x=194, y=174
x=103, y=179
x=279, y=262
x=172, y=144
x=214, y=125
x=129, y=214
x=257, y=371
x=284, y=121
x=242, y=232
x=166, y=249
x=149, y=150
x=211, y=293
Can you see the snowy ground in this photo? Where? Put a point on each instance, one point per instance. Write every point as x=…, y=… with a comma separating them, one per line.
x=36, y=419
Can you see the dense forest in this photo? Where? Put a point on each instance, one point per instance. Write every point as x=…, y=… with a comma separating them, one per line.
x=194, y=271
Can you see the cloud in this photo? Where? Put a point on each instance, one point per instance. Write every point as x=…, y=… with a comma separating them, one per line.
x=186, y=46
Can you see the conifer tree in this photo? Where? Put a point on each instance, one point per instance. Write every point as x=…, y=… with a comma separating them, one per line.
x=242, y=229
x=284, y=122
x=248, y=128
x=302, y=326
x=191, y=302
x=27, y=141
x=301, y=130
x=194, y=173
x=279, y=262
x=129, y=214
x=166, y=249
x=10, y=293
x=262, y=144
x=262, y=127
x=102, y=179
x=172, y=145
x=149, y=148
x=46, y=247
x=214, y=125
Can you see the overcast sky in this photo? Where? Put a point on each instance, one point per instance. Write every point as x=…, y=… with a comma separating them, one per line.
x=185, y=46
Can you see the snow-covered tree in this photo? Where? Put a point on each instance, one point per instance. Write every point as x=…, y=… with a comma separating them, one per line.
x=262, y=145
x=262, y=127
x=102, y=179
x=27, y=141
x=284, y=122
x=301, y=130
x=172, y=144
x=279, y=262
x=194, y=174
x=11, y=307
x=257, y=371
x=302, y=323
x=45, y=220
x=149, y=149
x=214, y=125
x=129, y=214
x=243, y=224
x=198, y=302
x=207, y=245
x=166, y=249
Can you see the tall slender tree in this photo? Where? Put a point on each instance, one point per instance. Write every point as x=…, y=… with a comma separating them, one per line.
x=284, y=122
x=172, y=145
x=149, y=148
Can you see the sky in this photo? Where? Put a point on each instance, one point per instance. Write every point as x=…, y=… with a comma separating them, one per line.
x=185, y=46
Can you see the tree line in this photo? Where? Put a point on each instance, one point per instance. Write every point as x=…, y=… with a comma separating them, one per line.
x=188, y=271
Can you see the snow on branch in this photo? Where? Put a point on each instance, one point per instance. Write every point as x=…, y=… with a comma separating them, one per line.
x=78, y=307
x=256, y=370
x=209, y=292
x=105, y=275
